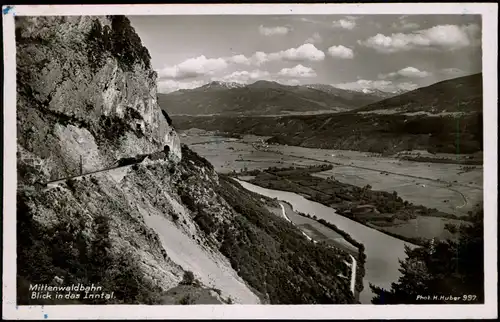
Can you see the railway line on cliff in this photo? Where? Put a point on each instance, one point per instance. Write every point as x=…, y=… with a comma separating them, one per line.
x=55, y=182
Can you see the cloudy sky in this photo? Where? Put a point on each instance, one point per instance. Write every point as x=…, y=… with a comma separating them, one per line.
x=384, y=52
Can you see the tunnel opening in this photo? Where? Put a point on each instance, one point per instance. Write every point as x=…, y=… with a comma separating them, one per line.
x=166, y=149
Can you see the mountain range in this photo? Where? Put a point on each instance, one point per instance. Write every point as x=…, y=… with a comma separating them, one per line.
x=264, y=98
x=370, y=94
x=429, y=118
x=462, y=94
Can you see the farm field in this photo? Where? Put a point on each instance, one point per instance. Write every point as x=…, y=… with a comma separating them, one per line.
x=449, y=188
x=424, y=227
x=453, y=189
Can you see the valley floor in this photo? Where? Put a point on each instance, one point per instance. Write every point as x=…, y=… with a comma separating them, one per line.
x=449, y=188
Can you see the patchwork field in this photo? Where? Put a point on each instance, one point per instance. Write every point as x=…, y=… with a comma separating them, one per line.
x=446, y=197
x=454, y=188
x=425, y=227
x=450, y=188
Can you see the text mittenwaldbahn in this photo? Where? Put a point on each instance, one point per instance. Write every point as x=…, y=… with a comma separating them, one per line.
x=73, y=287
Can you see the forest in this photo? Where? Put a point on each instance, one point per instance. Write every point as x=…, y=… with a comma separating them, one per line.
x=269, y=253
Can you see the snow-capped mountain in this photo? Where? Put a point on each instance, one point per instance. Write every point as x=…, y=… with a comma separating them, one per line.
x=222, y=85
x=261, y=98
x=369, y=95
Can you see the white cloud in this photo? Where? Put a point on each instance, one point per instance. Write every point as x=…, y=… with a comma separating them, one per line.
x=407, y=86
x=353, y=17
x=410, y=25
x=169, y=85
x=341, y=52
x=348, y=23
x=287, y=76
x=314, y=39
x=274, y=31
x=381, y=85
x=306, y=52
x=193, y=67
x=243, y=77
x=289, y=82
x=444, y=37
x=202, y=66
x=298, y=71
x=452, y=71
x=410, y=72
x=238, y=59
x=259, y=58
x=303, y=19
x=404, y=24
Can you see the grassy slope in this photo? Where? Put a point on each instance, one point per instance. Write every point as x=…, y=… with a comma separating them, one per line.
x=462, y=94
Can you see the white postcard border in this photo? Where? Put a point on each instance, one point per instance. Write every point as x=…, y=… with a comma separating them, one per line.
x=489, y=12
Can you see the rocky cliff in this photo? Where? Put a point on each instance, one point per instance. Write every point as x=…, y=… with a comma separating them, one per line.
x=85, y=89
x=165, y=230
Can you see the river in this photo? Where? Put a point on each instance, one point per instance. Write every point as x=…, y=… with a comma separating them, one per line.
x=382, y=251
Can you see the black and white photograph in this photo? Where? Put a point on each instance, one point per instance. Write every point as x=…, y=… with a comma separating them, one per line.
x=167, y=159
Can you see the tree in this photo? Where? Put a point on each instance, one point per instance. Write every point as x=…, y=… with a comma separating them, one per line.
x=451, y=228
x=188, y=278
x=448, y=268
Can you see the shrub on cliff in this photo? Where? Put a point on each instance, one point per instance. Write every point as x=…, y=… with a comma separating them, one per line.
x=188, y=278
x=126, y=44
x=98, y=43
x=189, y=155
x=64, y=250
x=120, y=40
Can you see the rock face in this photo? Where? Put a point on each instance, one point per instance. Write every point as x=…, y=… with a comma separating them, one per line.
x=166, y=229
x=86, y=99
x=86, y=88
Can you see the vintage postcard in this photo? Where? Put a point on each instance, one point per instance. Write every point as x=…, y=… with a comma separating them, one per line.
x=321, y=161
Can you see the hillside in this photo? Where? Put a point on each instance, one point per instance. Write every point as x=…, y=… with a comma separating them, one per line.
x=406, y=123
x=462, y=94
x=367, y=96
x=259, y=98
x=107, y=195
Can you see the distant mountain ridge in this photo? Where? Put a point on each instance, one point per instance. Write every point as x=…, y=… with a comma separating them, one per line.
x=262, y=98
x=370, y=94
x=462, y=95
x=429, y=118
x=221, y=85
